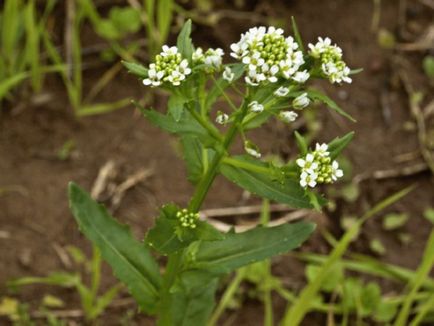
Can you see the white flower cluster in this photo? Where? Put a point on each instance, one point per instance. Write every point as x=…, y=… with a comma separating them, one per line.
x=212, y=58
x=168, y=67
x=317, y=167
x=269, y=55
x=330, y=57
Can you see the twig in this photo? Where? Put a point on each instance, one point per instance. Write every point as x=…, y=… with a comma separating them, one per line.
x=77, y=313
x=420, y=121
x=225, y=227
x=240, y=210
x=107, y=171
x=428, y=3
x=131, y=181
x=393, y=173
x=63, y=256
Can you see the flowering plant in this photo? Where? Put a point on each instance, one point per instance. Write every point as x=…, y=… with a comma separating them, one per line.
x=271, y=76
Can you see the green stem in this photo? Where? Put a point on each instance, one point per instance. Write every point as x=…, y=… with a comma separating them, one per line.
x=172, y=268
x=246, y=165
x=207, y=180
x=227, y=297
x=210, y=128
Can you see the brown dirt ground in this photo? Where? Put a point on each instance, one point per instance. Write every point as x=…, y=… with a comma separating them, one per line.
x=35, y=216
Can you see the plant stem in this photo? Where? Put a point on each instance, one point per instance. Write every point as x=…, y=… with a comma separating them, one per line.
x=208, y=178
x=172, y=268
x=228, y=295
x=210, y=128
x=246, y=165
x=175, y=260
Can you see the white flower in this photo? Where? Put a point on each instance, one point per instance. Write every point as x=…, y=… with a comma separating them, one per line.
x=198, y=55
x=169, y=51
x=308, y=179
x=222, y=118
x=301, y=101
x=307, y=164
x=336, y=172
x=154, y=78
x=256, y=107
x=281, y=91
x=183, y=67
x=228, y=75
x=322, y=150
x=288, y=116
x=301, y=76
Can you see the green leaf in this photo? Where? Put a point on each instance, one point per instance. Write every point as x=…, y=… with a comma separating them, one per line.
x=428, y=66
x=125, y=19
x=184, y=43
x=385, y=311
x=176, y=105
x=193, y=151
x=239, y=249
x=334, y=278
x=192, y=305
x=394, y=221
x=136, y=69
x=163, y=236
x=301, y=143
x=221, y=84
x=298, y=309
x=429, y=214
x=297, y=35
x=168, y=236
x=377, y=246
x=185, y=126
x=316, y=95
x=164, y=18
x=337, y=145
x=130, y=259
x=370, y=298
x=57, y=278
x=288, y=191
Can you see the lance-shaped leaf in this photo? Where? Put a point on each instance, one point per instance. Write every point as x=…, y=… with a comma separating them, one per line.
x=196, y=157
x=176, y=105
x=130, y=259
x=337, y=145
x=185, y=126
x=136, y=69
x=315, y=95
x=240, y=249
x=285, y=191
x=191, y=305
x=184, y=43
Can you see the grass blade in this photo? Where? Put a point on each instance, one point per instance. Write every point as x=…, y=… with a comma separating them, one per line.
x=415, y=284
x=295, y=314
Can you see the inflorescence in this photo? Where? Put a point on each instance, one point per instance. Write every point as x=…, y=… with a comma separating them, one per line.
x=330, y=57
x=187, y=219
x=318, y=168
x=169, y=67
x=268, y=55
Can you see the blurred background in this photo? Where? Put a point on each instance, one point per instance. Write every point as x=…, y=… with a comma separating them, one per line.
x=66, y=114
